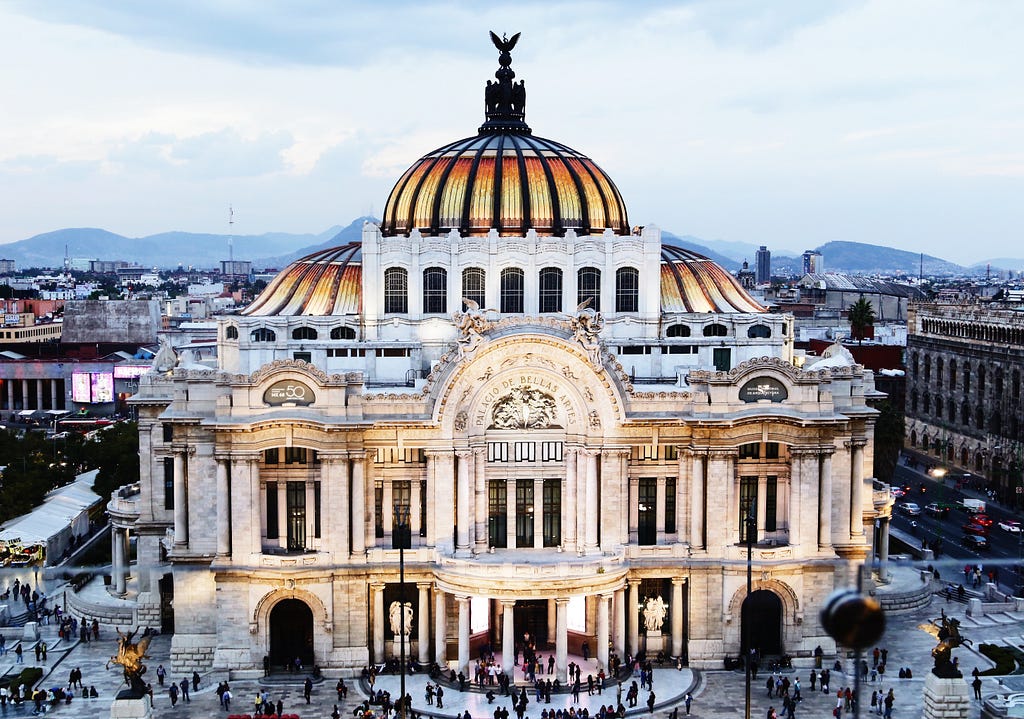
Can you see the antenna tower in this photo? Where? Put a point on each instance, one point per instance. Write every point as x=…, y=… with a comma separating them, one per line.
x=231, y=236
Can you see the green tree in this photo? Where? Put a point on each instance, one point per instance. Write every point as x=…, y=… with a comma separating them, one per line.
x=861, y=316
x=115, y=452
x=889, y=428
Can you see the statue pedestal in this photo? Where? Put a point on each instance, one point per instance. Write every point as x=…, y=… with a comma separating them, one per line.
x=131, y=708
x=946, y=698
x=396, y=649
x=655, y=642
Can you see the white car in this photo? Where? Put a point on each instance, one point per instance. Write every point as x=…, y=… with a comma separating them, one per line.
x=909, y=508
x=1010, y=525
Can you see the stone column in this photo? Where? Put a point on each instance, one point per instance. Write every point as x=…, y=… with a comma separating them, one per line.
x=388, y=507
x=825, y=503
x=334, y=475
x=697, y=502
x=377, y=601
x=479, y=465
x=463, y=500
x=117, y=548
x=10, y=395
x=369, y=519
x=24, y=394
x=561, y=638
x=463, y=603
x=857, y=495
x=53, y=394
x=440, y=629
x=39, y=394
x=415, y=502
x=659, y=511
x=432, y=489
x=223, y=509
x=633, y=615
x=602, y=630
x=246, y=508
x=677, y=616
x=569, y=505
x=423, y=623
x=538, y=513
x=359, y=505
x=883, y=551
x=180, y=500
x=508, y=636
x=619, y=610
x=797, y=484
x=592, y=501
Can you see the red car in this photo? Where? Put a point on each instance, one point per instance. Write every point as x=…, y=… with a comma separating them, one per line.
x=982, y=519
x=979, y=529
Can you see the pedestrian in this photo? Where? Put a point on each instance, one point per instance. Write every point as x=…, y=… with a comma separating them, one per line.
x=688, y=701
x=95, y=629
x=650, y=702
x=976, y=684
x=429, y=694
x=440, y=697
x=889, y=700
x=307, y=688
x=266, y=665
x=160, y=674
x=227, y=699
x=195, y=681
x=335, y=714
x=770, y=685
x=39, y=651
x=173, y=691
x=280, y=707
x=43, y=650
x=184, y=691
x=18, y=654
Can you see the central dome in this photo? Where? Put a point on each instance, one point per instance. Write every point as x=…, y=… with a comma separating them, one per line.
x=505, y=178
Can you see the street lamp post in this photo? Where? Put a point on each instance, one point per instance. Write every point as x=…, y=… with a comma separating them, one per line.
x=751, y=530
x=401, y=527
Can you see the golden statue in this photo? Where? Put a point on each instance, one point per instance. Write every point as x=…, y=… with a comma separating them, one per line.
x=130, y=655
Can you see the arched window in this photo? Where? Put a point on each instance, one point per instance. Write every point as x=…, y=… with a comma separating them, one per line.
x=716, y=330
x=396, y=290
x=979, y=418
x=588, y=286
x=952, y=374
x=981, y=381
x=967, y=377
x=965, y=414
x=435, y=291
x=939, y=378
x=512, y=290
x=951, y=411
x=926, y=403
x=231, y=332
x=474, y=281
x=627, y=290
x=999, y=382
x=913, y=401
x=913, y=438
x=304, y=333
x=927, y=368
x=677, y=331
x=759, y=331
x=913, y=362
x=262, y=335
x=550, y=290
x=1015, y=389
x=343, y=333
x=938, y=406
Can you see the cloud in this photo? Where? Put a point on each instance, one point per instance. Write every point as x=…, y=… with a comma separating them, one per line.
x=211, y=155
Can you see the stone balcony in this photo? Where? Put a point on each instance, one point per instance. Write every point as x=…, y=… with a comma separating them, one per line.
x=124, y=505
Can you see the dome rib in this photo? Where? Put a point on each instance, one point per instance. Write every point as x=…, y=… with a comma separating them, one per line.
x=557, y=227
x=694, y=283
x=322, y=283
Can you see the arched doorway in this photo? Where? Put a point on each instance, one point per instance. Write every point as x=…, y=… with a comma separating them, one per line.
x=762, y=620
x=291, y=633
x=531, y=618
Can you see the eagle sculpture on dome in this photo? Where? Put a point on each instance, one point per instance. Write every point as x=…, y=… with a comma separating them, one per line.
x=504, y=44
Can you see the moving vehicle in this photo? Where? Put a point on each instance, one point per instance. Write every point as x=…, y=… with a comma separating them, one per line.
x=897, y=491
x=973, y=541
x=937, y=510
x=909, y=508
x=979, y=529
x=972, y=506
x=1010, y=525
x=982, y=519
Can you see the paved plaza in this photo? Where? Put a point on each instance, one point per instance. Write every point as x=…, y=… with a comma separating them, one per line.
x=717, y=693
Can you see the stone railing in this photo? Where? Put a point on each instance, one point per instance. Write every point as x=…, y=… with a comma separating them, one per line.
x=124, y=503
x=120, y=615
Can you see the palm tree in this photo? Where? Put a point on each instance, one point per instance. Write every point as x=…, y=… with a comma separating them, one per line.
x=861, y=316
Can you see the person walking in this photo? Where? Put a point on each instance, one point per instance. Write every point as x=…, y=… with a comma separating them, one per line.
x=173, y=691
x=160, y=674
x=976, y=684
x=650, y=702
x=688, y=701
x=227, y=700
x=889, y=700
x=195, y=681
x=307, y=689
x=440, y=696
x=19, y=659
x=184, y=690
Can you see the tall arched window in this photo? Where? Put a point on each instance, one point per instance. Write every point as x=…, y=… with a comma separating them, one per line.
x=588, y=286
x=435, y=291
x=927, y=368
x=981, y=381
x=474, y=282
x=396, y=290
x=677, y=331
x=967, y=377
x=952, y=374
x=262, y=335
x=550, y=290
x=627, y=290
x=304, y=333
x=343, y=333
x=231, y=333
x=512, y=280
x=939, y=378
x=965, y=414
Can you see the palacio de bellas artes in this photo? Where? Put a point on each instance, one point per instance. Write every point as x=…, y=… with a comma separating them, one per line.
x=557, y=423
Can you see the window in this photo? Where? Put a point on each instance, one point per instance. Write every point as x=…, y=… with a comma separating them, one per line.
x=231, y=333
x=550, y=290
x=939, y=371
x=771, y=450
x=716, y=330
x=627, y=290
x=771, y=503
x=497, y=513
x=965, y=414
x=378, y=510
x=345, y=352
x=759, y=331
x=396, y=290
x=272, y=529
x=303, y=356
x=525, y=452
x=550, y=451
x=343, y=333
x=435, y=291
x=423, y=507
x=671, y=451
x=952, y=374
x=294, y=455
x=295, y=511
x=552, y=512
x=927, y=368
x=316, y=510
x=497, y=451
x=748, y=505
x=168, y=430
x=588, y=286
x=168, y=483
x=262, y=335
x=512, y=279
x=647, y=511
x=474, y=285
x=721, y=357
x=401, y=507
x=304, y=333
x=681, y=349
x=750, y=451
x=524, y=513
x=670, y=505
x=270, y=456
x=677, y=331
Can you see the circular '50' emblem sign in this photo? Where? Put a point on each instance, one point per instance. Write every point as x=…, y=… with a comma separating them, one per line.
x=288, y=392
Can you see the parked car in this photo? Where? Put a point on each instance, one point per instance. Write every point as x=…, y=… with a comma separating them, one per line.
x=973, y=541
x=937, y=510
x=1010, y=525
x=982, y=519
x=979, y=529
x=910, y=509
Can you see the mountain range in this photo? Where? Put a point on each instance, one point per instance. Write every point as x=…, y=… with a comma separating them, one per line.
x=277, y=249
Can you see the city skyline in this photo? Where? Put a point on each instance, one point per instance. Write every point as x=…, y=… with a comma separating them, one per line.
x=786, y=126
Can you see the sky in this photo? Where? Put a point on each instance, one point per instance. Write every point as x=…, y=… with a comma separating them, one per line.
x=788, y=124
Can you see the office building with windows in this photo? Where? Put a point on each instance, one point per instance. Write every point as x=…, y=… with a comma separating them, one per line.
x=550, y=415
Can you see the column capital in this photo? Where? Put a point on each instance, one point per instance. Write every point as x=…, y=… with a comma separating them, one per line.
x=464, y=453
x=677, y=581
x=462, y=598
x=633, y=582
x=377, y=586
x=723, y=452
x=334, y=456
x=855, y=443
x=804, y=451
x=588, y=452
x=614, y=452
x=507, y=603
x=436, y=453
x=606, y=596
x=247, y=456
x=561, y=601
x=424, y=585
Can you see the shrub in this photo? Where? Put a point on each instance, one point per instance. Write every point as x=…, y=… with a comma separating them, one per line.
x=1009, y=660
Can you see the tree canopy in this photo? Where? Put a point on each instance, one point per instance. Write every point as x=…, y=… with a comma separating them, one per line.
x=862, y=316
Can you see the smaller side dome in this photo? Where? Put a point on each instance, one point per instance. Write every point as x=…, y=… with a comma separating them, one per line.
x=694, y=283
x=327, y=282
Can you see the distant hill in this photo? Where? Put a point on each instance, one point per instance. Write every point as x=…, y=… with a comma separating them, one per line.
x=1001, y=263
x=863, y=259
x=352, y=233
